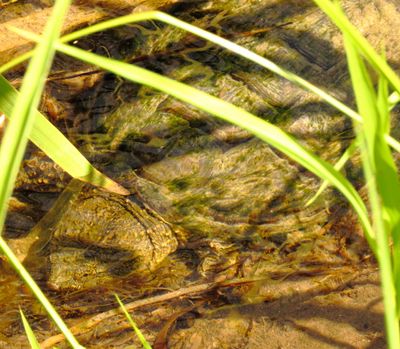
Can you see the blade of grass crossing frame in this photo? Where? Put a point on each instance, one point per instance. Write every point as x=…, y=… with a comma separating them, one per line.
x=229, y=45
x=376, y=125
x=56, y=146
x=337, y=16
x=226, y=111
x=371, y=143
x=383, y=105
x=16, y=137
x=338, y=166
x=394, y=98
x=145, y=344
x=29, y=333
x=388, y=182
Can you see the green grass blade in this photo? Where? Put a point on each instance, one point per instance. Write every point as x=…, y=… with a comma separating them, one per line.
x=383, y=106
x=339, y=18
x=365, y=96
x=375, y=112
x=226, y=111
x=382, y=253
x=394, y=98
x=38, y=293
x=229, y=45
x=16, y=136
x=14, y=62
x=145, y=344
x=29, y=333
x=19, y=128
x=338, y=166
x=379, y=172
x=388, y=182
x=239, y=50
x=48, y=138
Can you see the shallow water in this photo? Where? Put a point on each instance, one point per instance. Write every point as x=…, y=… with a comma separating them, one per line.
x=238, y=205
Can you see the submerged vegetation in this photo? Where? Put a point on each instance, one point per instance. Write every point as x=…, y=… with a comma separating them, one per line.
x=371, y=125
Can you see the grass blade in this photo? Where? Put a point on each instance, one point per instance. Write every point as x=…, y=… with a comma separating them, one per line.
x=229, y=45
x=29, y=333
x=394, y=98
x=48, y=138
x=380, y=175
x=388, y=182
x=16, y=137
x=145, y=344
x=226, y=111
x=338, y=166
x=338, y=17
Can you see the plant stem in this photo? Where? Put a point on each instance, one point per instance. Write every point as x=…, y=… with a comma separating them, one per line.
x=16, y=137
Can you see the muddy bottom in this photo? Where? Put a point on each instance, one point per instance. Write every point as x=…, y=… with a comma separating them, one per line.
x=342, y=309
x=347, y=318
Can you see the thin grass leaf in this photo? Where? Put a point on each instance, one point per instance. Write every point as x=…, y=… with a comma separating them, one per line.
x=375, y=112
x=19, y=128
x=383, y=106
x=365, y=97
x=29, y=333
x=16, y=61
x=338, y=17
x=387, y=172
x=145, y=344
x=388, y=182
x=338, y=166
x=374, y=152
x=56, y=146
x=228, y=112
x=16, y=137
x=229, y=45
x=393, y=100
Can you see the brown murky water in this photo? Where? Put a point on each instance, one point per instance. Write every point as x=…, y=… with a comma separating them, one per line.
x=235, y=258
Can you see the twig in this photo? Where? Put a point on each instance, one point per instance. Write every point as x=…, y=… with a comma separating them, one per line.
x=87, y=325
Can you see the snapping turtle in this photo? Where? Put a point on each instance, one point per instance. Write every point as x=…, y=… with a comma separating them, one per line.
x=91, y=235
x=214, y=179
x=100, y=235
